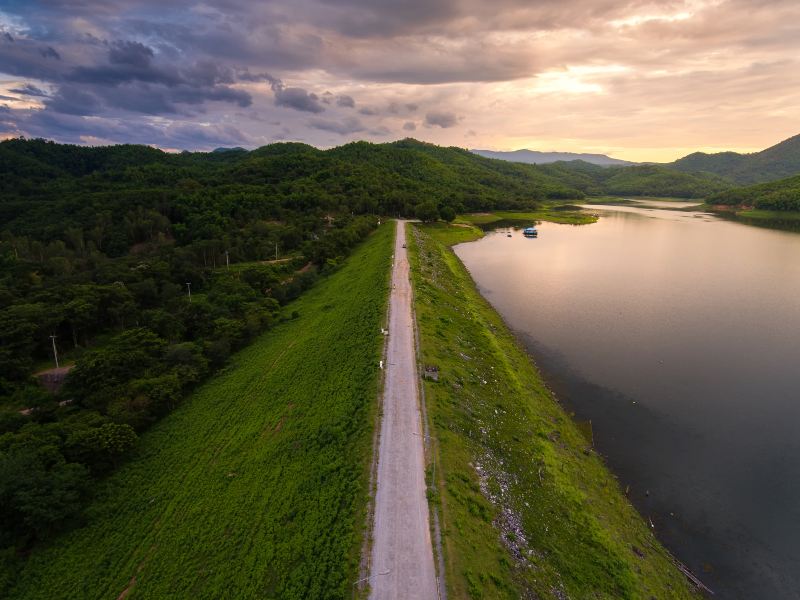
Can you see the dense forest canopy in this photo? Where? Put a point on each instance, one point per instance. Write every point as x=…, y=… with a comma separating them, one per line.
x=636, y=180
x=147, y=269
x=783, y=195
x=776, y=162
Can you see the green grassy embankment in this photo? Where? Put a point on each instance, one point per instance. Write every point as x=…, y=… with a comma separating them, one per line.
x=256, y=487
x=554, y=213
x=768, y=215
x=528, y=510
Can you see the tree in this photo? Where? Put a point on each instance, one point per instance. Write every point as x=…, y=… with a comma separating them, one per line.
x=447, y=213
x=100, y=374
x=100, y=448
x=426, y=211
x=39, y=494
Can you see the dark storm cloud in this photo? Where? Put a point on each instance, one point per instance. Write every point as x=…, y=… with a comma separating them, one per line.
x=441, y=119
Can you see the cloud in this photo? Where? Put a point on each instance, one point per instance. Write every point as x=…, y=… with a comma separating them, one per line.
x=77, y=129
x=346, y=126
x=29, y=58
x=345, y=101
x=409, y=126
x=441, y=119
x=29, y=89
x=578, y=74
x=130, y=53
x=73, y=100
x=296, y=98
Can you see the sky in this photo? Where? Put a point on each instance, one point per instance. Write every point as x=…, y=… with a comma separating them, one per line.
x=639, y=80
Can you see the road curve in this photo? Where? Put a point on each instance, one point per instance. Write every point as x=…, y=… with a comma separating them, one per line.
x=402, y=556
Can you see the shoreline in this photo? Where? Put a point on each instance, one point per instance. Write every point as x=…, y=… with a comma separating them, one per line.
x=559, y=387
x=563, y=526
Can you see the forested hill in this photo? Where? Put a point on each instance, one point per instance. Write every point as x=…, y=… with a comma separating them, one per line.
x=636, y=180
x=360, y=177
x=633, y=180
x=782, y=195
x=148, y=269
x=777, y=162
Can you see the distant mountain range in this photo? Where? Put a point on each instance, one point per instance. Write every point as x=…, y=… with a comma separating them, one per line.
x=776, y=162
x=534, y=157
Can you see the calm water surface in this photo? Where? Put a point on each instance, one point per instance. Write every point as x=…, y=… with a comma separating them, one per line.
x=678, y=335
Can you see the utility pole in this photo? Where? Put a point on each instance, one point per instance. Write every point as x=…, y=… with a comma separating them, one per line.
x=189, y=289
x=276, y=250
x=227, y=260
x=55, y=352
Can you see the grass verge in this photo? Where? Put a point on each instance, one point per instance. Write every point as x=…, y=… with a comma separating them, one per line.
x=527, y=509
x=769, y=215
x=556, y=214
x=257, y=486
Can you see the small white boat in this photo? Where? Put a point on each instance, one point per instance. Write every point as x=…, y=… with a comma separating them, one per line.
x=530, y=232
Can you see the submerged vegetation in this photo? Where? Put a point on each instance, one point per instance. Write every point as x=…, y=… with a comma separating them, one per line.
x=256, y=485
x=527, y=508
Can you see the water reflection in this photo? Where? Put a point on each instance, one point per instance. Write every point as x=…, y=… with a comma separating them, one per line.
x=676, y=333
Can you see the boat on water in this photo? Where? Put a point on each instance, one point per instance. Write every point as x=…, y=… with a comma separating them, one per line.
x=530, y=232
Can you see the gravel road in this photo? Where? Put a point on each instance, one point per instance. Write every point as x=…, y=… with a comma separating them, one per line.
x=402, y=556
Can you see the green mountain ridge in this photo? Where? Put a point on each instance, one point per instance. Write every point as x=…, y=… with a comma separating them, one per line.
x=776, y=162
x=390, y=178
x=636, y=180
x=781, y=195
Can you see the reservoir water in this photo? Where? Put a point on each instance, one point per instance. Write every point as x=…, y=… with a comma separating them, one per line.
x=678, y=335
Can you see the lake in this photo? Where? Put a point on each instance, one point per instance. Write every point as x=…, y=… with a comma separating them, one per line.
x=678, y=335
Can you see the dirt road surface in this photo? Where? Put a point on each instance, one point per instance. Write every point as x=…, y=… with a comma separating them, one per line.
x=402, y=555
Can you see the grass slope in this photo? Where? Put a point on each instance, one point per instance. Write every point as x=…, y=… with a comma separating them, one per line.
x=527, y=509
x=256, y=487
